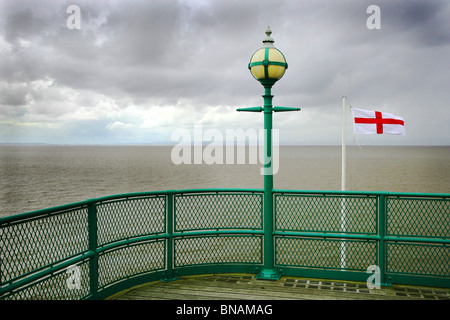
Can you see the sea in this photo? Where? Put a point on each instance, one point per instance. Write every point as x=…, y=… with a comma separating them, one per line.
x=34, y=177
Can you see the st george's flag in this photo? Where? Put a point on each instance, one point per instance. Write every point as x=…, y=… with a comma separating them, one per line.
x=376, y=122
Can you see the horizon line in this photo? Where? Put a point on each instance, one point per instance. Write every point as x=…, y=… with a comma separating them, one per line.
x=246, y=145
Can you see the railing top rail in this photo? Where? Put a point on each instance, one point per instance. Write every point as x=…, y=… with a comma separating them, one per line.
x=374, y=193
x=84, y=203
x=43, y=212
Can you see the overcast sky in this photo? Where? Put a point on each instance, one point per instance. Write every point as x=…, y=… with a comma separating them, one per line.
x=135, y=71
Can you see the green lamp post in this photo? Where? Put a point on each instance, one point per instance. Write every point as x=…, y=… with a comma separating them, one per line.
x=268, y=65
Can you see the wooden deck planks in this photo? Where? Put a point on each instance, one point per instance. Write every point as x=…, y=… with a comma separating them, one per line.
x=246, y=287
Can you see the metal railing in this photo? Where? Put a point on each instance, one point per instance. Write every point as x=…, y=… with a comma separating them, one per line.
x=95, y=248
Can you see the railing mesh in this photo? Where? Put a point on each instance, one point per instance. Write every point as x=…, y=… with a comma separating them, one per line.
x=129, y=261
x=61, y=285
x=418, y=217
x=128, y=218
x=218, y=211
x=418, y=259
x=326, y=213
x=218, y=250
x=326, y=253
x=32, y=244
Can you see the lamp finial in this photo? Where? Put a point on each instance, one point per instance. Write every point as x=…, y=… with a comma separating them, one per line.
x=268, y=40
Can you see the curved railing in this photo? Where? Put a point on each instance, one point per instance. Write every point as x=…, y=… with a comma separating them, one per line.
x=95, y=248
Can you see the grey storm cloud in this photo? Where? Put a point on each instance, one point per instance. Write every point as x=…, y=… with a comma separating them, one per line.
x=135, y=56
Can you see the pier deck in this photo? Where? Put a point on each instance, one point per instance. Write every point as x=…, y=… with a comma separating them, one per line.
x=246, y=287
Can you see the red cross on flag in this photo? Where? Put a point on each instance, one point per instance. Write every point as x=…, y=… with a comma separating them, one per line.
x=375, y=122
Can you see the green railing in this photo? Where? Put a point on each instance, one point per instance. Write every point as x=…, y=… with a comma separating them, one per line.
x=95, y=248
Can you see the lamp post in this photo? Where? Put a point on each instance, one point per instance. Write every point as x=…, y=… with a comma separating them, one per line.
x=268, y=65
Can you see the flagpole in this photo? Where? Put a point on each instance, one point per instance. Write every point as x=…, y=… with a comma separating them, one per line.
x=343, y=144
x=343, y=163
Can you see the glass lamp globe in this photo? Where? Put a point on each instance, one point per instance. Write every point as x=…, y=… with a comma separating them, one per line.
x=268, y=64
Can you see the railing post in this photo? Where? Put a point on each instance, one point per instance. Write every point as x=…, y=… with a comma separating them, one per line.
x=93, y=242
x=170, y=276
x=382, y=233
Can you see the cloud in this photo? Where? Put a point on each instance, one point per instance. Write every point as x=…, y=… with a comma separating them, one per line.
x=148, y=67
x=118, y=125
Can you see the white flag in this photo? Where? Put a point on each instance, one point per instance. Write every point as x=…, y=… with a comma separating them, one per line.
x=375, y=122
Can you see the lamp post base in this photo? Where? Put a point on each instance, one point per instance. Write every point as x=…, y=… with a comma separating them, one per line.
x=268, y=274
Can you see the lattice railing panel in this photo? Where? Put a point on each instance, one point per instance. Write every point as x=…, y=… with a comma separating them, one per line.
x=131, y=260
x=68, y=284
x=31, y=244
x=218, y=250
x=326, y=213
x=327, y=254
x=128, y=218
x=218, y=211
x=418, y=259
x=418, y=217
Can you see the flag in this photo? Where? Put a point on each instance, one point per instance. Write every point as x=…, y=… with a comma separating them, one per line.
x=375, y=122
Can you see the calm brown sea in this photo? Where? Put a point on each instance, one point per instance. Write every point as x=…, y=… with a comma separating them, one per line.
x=36, y=177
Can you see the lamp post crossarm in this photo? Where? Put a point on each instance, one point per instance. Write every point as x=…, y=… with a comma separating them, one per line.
x=284, y=109
x=274, y=109
x=251, y=109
